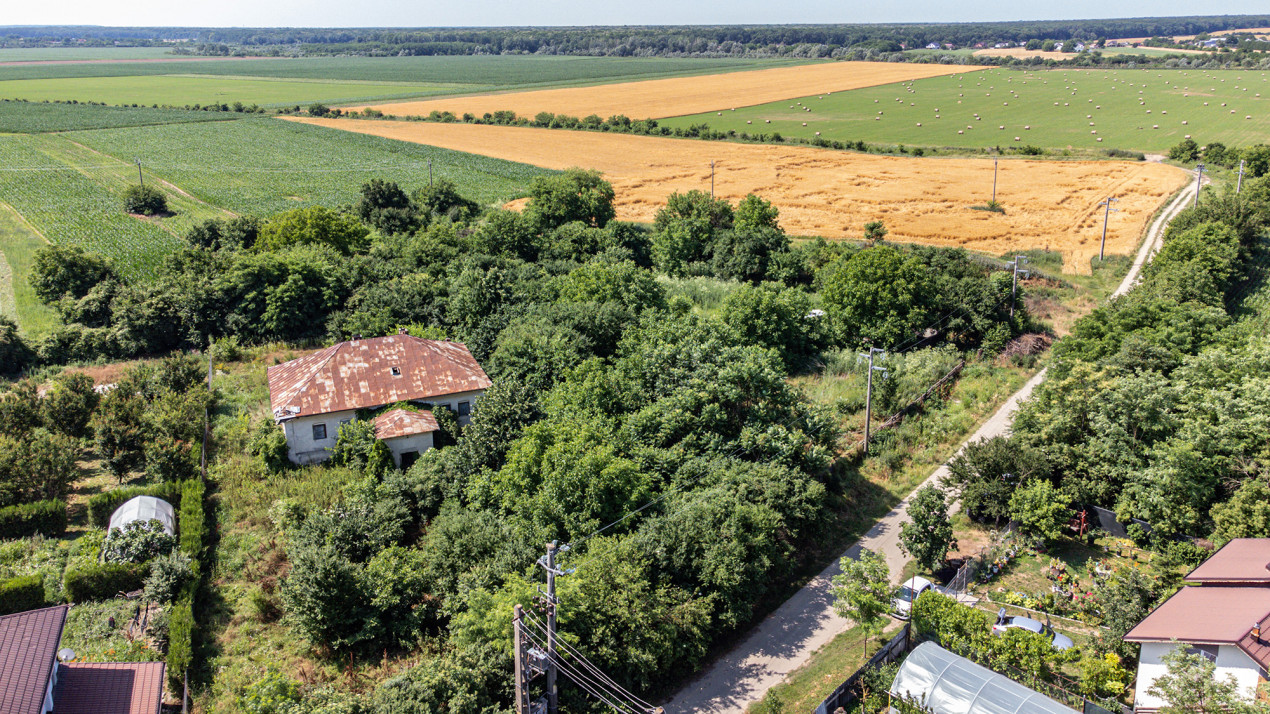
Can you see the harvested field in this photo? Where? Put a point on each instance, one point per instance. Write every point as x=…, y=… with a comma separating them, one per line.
x=684, y=95
x=1048, y=204
x=1024, y=53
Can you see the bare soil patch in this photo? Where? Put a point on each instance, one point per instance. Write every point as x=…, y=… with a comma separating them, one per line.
x=1048, y=204
x=684, y=95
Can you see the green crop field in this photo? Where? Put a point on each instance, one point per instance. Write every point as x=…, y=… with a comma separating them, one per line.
x=38, y=117
x=18, y=244
x=262, y=166
x=1143, y=109
x=96, y=54
x=188, y=90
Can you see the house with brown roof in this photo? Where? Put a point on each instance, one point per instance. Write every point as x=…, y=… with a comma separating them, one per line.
x=1223, y=614
x=313, y=396
x=33, y=681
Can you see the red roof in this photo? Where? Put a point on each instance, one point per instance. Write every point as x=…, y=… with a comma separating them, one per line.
x=28, y=651
x=1242, y=561
x=370, y=373
x=1211, y=615
x=402, y=422
x=109, y=688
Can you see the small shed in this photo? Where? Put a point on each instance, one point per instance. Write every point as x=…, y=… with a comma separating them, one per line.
x=143, y=508
x=949, y=684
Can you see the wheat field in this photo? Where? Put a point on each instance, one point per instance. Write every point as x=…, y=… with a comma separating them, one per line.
x=1048, y=204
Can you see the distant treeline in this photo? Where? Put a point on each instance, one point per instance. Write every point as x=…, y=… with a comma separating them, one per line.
x=739, y=40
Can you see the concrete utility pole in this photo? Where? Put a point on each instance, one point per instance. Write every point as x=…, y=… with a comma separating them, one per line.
x=140, y=178
x=1199, y=181
x=994, y=181
x=711, y=179
x=1102, y=248
x=868, y=393
x=553, y=702
x=522, y=673
x=1239, y=186
x=1016, y=264
x=429, y=173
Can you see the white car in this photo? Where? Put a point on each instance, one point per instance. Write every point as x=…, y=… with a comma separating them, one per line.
x=907, y=594
x=1005, y=622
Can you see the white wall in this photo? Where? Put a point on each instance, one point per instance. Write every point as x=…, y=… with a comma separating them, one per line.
x=302, y=448
x=413, y=442
x=1230, y=661
x=452, y=401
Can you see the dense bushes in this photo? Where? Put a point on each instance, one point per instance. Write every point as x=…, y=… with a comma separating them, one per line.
x=146, y=200
x=45, y=517
x=138, y=542
x=36, y=465
x=101, y=582
x=22, y=593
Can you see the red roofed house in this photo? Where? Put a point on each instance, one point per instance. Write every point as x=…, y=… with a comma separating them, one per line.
x=1224, y=615
x=32, y=681
x=314, y=395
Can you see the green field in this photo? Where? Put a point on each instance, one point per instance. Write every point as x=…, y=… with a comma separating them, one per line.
x=262, y=166
x=47, y=54
x=187, y=90
x=1062, y=108
x=18, y=244
x=38, y=117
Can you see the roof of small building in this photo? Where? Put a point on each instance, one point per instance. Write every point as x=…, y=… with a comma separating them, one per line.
x=109, y=688
x=28, y=647
x=945, y=682
x=1210, y=615
x=403, y=422
x=362, y=374
x=145, y=508
x=1241, y=561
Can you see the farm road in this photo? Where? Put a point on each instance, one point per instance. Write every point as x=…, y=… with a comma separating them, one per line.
x=786, y=638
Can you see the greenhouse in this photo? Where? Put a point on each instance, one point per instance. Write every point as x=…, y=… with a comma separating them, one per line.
x=143, y=508
x=947, y=684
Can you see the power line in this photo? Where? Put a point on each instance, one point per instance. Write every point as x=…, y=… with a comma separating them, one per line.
x=597, y=685
x=583, y=661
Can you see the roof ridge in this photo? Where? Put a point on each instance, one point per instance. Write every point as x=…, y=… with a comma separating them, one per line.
x=63, y=606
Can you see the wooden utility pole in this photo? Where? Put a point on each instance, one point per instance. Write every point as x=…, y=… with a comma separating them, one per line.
x=712, y=178
x=1239, y=186
x=1102, y=247
x=429, y=173
x=1017, y=264
x=994, y=181
x=868, y=391
x=1199, y=181
x=140, y=178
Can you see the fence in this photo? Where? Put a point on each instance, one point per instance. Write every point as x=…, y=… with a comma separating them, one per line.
x=849, y=691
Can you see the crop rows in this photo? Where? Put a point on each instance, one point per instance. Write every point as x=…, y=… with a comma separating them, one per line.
x=263, y=166
x=39, y=117
x=68, y=205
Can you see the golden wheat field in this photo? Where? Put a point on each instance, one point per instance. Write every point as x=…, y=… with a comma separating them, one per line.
x=683, y=95
x=1048, y=204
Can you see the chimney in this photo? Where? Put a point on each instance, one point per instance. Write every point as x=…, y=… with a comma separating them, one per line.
x=1256, y=632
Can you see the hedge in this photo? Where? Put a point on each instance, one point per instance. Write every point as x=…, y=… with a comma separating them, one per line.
x=22, y=520
x=192, y=526
x=101, y=506
x=22, y=593
x=192, y=520
x=102, y=582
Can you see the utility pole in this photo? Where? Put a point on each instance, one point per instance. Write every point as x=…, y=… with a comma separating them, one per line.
x=140, y=178
x=868, y=392
x=548, y=563
x=522, y=673
x=429, y=173
x=1239, y=186
x=712, y=178
x=994, y=181
x=1016, y=264
x=1102, y=248
x=1199, y=181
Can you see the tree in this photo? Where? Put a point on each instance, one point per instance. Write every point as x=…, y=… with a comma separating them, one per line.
x=863, y=591
x=1190, y=686
x=358, y=448
x=878, y=295
x=442, y=199
x=145, y=200
x=754, y=213
x=216, y=234
x=985, y=474
x=624, y=283
x=69, y=403
x=58, y=271
x=315, y=225
x=386, y=207
x=774, y=317
x=1186, y=151
x=574, y=195
x=15, y=354
x=685, y=229
x=874, y=231
x=748, y=253
x=119, y=431
x=1245, y=515
x=928, y=535
x=1040, y=510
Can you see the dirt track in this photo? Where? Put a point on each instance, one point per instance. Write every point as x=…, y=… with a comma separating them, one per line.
x=685, y=95
x=1048, y=204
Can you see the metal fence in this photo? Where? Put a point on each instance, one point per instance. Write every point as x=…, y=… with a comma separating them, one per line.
x=848, y=692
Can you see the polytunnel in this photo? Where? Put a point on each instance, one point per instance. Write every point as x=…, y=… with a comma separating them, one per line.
x=143, y=508
x=948, y=684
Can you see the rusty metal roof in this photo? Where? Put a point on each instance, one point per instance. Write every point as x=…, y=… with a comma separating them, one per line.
x=362, y=374
x=1242, y=561
x=109, y=688
x=28, y=648
x=402, y=422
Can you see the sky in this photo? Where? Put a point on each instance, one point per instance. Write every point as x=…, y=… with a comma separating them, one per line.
x=486, y=13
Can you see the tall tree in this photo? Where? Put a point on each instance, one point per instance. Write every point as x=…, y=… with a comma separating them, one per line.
x=928, y=535
x=1190, y=686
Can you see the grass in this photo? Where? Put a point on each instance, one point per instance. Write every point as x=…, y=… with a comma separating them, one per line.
x=1016, y=99
x=47, y=54
x=18, y=244
x=89, y=633
x=705, y=293
x=807, y=686
x=263, y=166
x=184, y=90
x=38, y=117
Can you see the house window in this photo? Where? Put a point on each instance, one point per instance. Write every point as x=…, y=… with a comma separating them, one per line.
x=408, y=458
x=465, y=408
x=396, y=371
x=319, y=432
x=1209, y=652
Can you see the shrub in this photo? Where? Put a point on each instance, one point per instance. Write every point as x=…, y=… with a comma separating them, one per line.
x=102, y=505
x=268, y=443
x=15, y=353
x=192, y=518
x=22, y=593
x=101, y=582
x=146, y=200
x=180, y=637
x=168, y=573
x=138, y=542
x=69, y=404
x=46, y=517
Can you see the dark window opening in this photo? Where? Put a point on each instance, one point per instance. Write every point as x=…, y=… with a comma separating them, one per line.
x=396, y=371
x=408, y=458
x=465, y=408
x=319, y=432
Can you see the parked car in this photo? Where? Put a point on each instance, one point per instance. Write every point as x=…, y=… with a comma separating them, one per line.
x=1005, y=622
x=907, y=594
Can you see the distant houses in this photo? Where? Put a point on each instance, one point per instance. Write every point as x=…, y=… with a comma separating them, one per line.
x=313, y=396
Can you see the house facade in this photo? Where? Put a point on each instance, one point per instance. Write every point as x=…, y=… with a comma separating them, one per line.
x=1223, y=614
x=313, y=396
